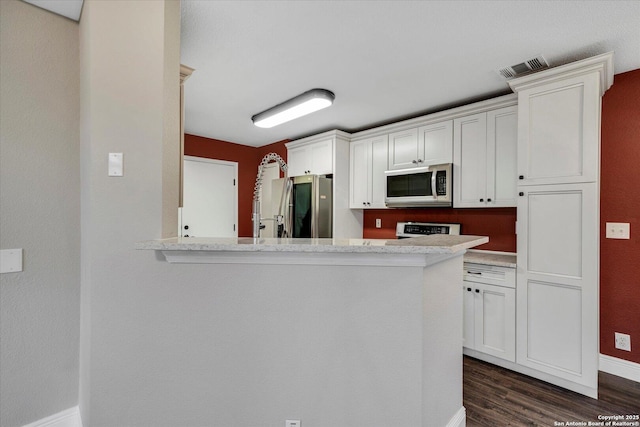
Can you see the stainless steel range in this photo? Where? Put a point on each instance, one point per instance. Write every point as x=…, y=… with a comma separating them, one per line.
x=405, y=230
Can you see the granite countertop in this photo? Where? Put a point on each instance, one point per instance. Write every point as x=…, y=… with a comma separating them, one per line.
x=432, y=244
x=500, y=259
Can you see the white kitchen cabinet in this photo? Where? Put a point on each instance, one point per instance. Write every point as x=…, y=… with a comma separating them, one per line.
x=490, y=310
x=559, y=131
x=431, y=144
x=436, y=141
x=558, y=221
x=485, y=159
x=367, y=179
x=314, y=159
x=404, y=150
x=558, y=280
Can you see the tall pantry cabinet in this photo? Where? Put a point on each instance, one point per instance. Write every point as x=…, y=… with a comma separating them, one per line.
x=558, y=221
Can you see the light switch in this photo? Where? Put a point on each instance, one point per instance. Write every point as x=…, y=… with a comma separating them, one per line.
x=10, y=260
x=116, y=164
x=618, y=230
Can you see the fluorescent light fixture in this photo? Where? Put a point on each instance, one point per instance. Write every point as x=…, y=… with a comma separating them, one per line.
x=301, y=105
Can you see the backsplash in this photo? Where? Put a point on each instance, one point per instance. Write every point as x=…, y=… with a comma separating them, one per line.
x=497, y=223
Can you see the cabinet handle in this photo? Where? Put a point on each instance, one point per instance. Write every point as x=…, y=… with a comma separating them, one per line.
x=474, y=272
x=521, y=194
x=521, y=177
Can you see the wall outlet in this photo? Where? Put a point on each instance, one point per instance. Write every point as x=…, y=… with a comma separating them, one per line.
x=378, y=223
x=623, y=341
x=292, y=423
x=618, y=230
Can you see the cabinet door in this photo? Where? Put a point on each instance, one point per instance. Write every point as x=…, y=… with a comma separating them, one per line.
x=502, y=145
x=559, y=131
x=495, y=321
x=321, y=157
x=298, y=161
x=404, y=150
x=469, y=164
x=437, y=142
x=468, y=328
x=557, y=283
x=378, y=182
x=360, y=153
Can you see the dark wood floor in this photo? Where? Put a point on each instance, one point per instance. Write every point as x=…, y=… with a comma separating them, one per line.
x=496, y=397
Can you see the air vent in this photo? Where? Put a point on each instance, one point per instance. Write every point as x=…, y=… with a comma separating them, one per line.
x=529, y=66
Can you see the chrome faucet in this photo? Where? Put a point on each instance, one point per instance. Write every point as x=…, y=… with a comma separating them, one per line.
x=257, y=194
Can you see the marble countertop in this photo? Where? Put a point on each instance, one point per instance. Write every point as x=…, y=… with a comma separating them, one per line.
x=432, y=244
x=500, y=259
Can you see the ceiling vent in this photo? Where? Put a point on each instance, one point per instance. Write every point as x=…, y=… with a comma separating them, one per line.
x=529, y=66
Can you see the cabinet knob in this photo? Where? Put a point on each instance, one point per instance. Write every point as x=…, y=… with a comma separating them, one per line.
x=521, y=177
x=415, y=162
x=364, y=203
x=368, y=204
x=468, y=289
x=477, y=291
x=420, y=160
x=482, y=200
x=186, y=227
x=488, y=200
x=521, y=194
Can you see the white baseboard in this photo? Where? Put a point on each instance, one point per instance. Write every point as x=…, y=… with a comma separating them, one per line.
x=620, y=367
x=459, y=419
x=67, y=418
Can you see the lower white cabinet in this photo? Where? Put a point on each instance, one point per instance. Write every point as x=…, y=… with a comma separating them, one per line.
x=490, y=310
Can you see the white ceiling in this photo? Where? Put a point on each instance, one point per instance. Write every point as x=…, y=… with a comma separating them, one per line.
x=68, y=8
x=384, y=60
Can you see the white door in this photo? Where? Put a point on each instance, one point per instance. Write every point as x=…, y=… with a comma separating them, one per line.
x=210, y=201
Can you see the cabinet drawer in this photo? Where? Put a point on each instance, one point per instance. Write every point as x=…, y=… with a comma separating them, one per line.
x=490, y=274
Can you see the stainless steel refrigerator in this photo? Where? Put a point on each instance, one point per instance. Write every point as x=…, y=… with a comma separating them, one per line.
x=307, y=207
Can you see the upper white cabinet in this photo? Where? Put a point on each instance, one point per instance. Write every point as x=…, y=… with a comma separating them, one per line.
x=484, y=154
x=427, y=145
x=314, y=159
x=559, y=131
x=436, y=141
x=367, y=179
x=404, y=150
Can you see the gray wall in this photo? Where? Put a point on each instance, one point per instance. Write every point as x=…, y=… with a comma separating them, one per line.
x=39, y=212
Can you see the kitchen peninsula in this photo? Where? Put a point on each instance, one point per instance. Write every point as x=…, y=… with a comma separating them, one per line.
x=343, y=332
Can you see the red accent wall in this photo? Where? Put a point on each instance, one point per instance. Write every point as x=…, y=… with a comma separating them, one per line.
x=497, y=223
x=620, y=202
x=247, y=159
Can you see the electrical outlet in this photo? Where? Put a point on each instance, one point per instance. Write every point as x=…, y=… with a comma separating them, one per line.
x=623, y=341
x=618, y=230
x=378, y=223
x=292, y=423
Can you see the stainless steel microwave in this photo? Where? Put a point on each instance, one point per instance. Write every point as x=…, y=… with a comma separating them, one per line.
x=419, y=187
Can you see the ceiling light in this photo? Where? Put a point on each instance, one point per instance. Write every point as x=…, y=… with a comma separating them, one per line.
x=301, y=105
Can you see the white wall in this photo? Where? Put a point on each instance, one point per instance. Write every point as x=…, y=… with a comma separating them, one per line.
x=39, y=212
